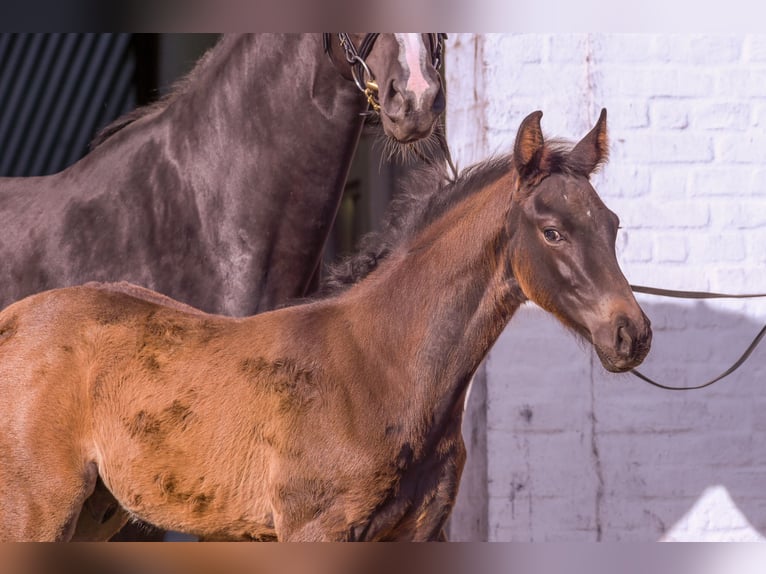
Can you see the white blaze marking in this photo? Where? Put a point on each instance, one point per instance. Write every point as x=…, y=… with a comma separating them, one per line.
x=413, y=56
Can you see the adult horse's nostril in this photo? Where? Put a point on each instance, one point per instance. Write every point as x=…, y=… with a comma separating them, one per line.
x=395, y=101
x=392, y=91
x=439, y=103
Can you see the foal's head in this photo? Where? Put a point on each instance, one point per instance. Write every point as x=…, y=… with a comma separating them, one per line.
x=410, y=89
x=564, y=236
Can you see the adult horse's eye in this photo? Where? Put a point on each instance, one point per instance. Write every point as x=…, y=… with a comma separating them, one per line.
x=551, y=235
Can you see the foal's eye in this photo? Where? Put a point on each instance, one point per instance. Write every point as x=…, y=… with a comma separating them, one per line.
x=551, y=235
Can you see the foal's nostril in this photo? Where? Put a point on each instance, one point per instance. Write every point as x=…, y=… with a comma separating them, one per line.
x=624, y=339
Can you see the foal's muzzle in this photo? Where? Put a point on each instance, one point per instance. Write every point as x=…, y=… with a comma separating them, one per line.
x=623, y=342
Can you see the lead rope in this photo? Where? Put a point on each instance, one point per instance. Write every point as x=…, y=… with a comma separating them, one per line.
x=700, y=295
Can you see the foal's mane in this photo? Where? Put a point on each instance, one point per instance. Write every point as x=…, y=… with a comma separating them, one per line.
x=425, y=195
x=179, y=87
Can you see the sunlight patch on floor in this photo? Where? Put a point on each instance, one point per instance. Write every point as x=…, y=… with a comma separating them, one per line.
x=714, y=517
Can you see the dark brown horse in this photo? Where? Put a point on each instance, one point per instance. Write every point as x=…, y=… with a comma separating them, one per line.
x=335, y=419
x=223, y=193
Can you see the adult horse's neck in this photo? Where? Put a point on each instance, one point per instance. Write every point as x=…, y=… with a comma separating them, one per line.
x=439, y=303
x=279, y=122
x=256, y=146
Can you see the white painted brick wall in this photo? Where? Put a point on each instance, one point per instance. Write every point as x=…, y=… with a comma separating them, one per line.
x=573, y=453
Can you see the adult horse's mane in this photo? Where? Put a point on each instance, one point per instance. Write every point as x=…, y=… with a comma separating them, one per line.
x=424, y=196
x=178, y=88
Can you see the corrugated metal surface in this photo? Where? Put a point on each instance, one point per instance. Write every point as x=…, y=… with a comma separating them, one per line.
x=56, y=91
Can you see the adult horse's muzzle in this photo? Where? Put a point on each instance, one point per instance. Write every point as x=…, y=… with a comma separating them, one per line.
x=623, y=342
x=408, y=115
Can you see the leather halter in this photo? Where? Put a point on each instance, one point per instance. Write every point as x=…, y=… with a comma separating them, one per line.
x=361, y=74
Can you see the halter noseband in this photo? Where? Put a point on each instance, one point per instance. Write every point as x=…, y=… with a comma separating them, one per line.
x=362, y=75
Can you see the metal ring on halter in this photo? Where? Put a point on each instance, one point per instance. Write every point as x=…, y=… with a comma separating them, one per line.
x=370, y=87
x=360, y=83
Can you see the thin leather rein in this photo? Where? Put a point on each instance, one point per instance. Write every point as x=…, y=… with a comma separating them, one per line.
x=700, y=295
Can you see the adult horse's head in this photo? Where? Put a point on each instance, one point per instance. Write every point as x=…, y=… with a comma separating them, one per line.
x=564, y=258
x=399, y=75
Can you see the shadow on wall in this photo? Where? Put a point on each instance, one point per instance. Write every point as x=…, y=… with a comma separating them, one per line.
x=574, y=453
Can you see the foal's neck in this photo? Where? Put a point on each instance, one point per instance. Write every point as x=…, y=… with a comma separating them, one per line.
x=443, y=300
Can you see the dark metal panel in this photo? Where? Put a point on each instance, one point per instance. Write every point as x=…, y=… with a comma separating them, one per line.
x=58, y=90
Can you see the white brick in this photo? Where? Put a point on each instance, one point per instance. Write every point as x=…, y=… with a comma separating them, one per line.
x=512, y=477
x=720, y=115
x=673, y=49
x=743, y=82
x=720, y=449
x=671, y=247
x=656, y=81
x=690, y=277
x=756, y=245
x=626, y=113
x=759, y=115
x=550, y=520
x=665, y=147
x=744, y=214
x=669, y=113
x=710, y=49
x=650, y=416
x=521, y=48
x=621, y=181
x=634, y=245
x=719, y=248
x=532, y=416
x=622, y=48
x=737, y=279
x=667, y=214
x=758, y=182
x=534, y=79
x=712, y=180
x=669, y=181
x=568, y=48
x=755, y=48
x=699, y=49
x=744, y=148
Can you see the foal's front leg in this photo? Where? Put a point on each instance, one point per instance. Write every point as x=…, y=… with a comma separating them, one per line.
x=313, y=531
x=38, y=504
x=439, y=508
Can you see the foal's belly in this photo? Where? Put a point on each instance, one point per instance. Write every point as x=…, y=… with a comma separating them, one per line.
x=188, y=503
x=184, y=484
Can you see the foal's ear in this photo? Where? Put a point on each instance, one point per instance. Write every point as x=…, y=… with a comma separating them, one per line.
x=593, y=149
x=529, y=144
